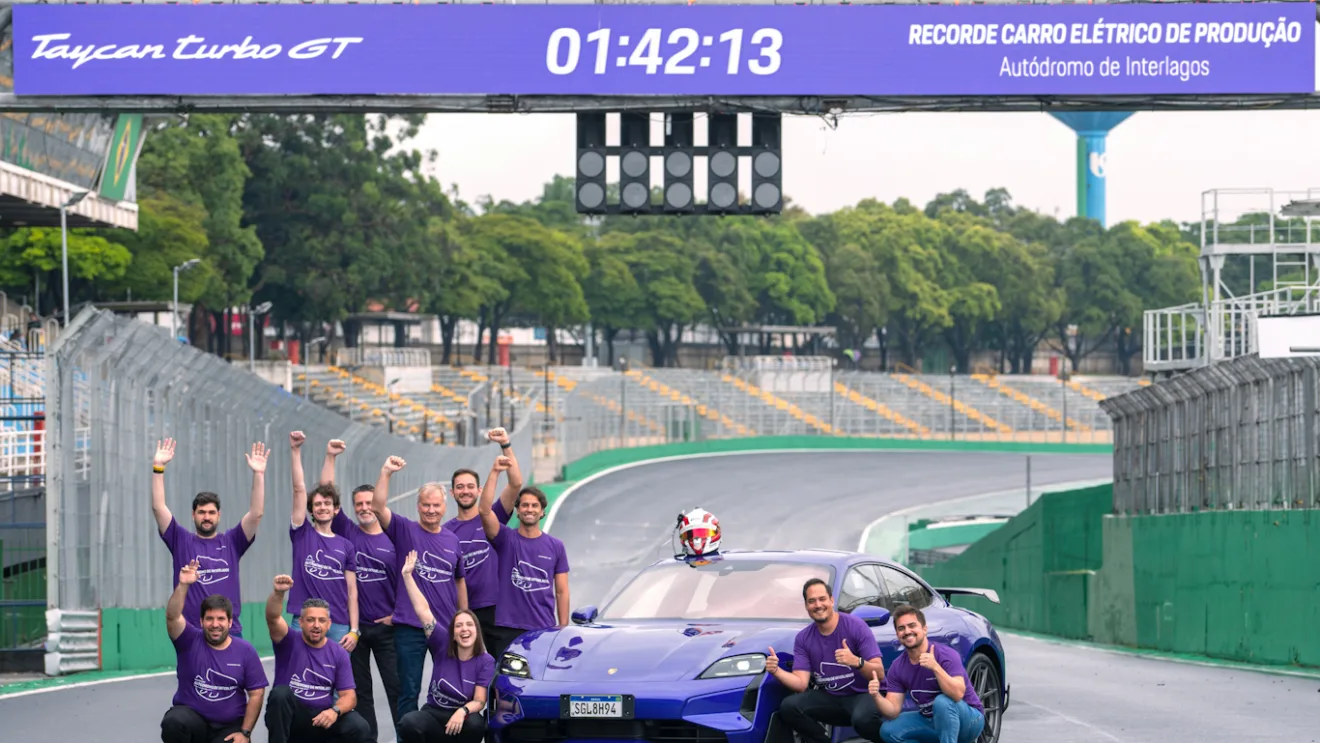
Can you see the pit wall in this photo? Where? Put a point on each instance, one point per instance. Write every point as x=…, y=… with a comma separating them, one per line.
x=1236, y=586
x=136, y=640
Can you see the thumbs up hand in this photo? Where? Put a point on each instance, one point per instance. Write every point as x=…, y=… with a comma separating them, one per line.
x=873, y=686
x=771, y=662
x=845, y=656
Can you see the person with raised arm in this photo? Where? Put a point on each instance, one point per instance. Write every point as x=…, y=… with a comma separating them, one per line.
x=533, y=590
x=221, y=683
x=378, y=584
x=479, y=561
x=216, y=553
x=439, y=573
x=324, y=563
x=461, y=671
x=313, y=697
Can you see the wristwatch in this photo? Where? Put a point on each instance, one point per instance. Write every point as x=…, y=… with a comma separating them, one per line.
x=246, y=734
x=861, y=663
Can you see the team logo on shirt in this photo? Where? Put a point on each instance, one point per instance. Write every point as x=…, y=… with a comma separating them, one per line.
x=475, y=552
x=925, y=698
x=434, y=569
x=323, y=567
x=442, y=691
x=369, y=569
x=310, y=686
x=527, y=577
x=834, y=676
x=215, y=687
x=211, y=569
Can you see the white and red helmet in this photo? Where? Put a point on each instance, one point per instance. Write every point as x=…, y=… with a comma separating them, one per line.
x=699, y=532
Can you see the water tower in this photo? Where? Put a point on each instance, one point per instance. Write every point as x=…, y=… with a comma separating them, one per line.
x=1092, y=129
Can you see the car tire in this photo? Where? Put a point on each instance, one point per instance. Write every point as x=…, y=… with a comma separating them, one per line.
x=989, y=686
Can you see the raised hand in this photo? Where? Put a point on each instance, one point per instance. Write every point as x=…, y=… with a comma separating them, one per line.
x=771, y=662
x=335, y=447
x=409, y=563
x=394, y=464
x=164, y=453
x=257, y=459
x=845, y=656
x=283, y=583
x=502, y=464
x=296, y=439
x=188, y=573
x=873, y=686
x=927, y=660
x=498, y=435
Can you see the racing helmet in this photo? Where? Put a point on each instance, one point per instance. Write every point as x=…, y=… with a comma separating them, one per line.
x=699, y=532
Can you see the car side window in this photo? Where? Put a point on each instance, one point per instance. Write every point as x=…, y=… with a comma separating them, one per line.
x=861, y=586
x=904, y=589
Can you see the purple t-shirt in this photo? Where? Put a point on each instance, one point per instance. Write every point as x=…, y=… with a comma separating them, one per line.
x=527, y=579
x=377, y=570
x=315, y=675
x=453, y=680
x=217, y=567
x=480, y=564
x=814, y=652
x=919, y=686
x=212, y=682
x=319, y=564
x=439, y=564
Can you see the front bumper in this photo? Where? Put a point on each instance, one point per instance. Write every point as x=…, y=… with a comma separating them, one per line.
x=729, y=710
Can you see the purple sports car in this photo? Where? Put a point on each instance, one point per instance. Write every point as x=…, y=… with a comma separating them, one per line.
x=678, y=655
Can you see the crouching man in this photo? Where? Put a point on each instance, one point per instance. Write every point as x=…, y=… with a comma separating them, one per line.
x=313, y=696
x=926, y=696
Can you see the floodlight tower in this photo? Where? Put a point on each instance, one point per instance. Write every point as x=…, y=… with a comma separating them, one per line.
x=1092, y=129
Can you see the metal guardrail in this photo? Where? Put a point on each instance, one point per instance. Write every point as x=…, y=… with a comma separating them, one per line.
x=1240, y=434
x=132, y=385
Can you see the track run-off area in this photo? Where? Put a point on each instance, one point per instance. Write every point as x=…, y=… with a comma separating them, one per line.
x=617, y=522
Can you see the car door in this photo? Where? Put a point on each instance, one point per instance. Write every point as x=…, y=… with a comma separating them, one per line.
x=863, y=586
x=943, y=625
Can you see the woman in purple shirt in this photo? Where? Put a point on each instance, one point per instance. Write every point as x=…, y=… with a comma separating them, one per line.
x=461, y=672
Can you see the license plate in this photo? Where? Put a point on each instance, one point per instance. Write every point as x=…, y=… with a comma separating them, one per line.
x=595, y=706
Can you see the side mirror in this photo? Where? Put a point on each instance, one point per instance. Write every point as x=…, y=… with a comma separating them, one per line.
x=587, y=614
x=874, y=616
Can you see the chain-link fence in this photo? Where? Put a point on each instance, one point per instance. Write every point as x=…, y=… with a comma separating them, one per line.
x=595, y=409
x=1240, y=434
x=116, y=386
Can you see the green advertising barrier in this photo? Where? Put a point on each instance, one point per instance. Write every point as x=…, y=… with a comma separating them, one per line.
x=1235, y=586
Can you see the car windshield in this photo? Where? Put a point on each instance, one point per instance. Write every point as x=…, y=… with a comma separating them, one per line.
x=728, y=589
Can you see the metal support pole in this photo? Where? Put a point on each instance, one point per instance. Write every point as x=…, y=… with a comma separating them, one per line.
x=623, y=409
x=832, y=395
x=252, y=341
x=64, y=242
x=1028, y=481
x=174, y=308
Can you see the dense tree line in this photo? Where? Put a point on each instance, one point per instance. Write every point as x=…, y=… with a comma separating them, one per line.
x=324, y=215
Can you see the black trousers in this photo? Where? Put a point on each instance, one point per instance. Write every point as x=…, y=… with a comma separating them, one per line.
x=427, y=725
x=377, y=639
x=486, y=618
x=184, y=725
x=804, y=712
x=288, y=719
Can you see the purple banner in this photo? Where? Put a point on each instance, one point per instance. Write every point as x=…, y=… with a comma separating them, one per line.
x=665, y=50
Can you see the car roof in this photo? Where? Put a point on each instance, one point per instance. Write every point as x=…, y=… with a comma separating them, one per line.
x=837, y=558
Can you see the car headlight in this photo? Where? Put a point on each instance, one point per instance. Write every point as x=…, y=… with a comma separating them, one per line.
x=515, y=665
x=738, y=665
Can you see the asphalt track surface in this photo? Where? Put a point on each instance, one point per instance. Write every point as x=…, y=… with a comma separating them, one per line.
x=614, y=525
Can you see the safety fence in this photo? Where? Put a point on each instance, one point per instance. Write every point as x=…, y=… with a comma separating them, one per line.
x=128, y=384
x=1239, y=435
x=590, y=410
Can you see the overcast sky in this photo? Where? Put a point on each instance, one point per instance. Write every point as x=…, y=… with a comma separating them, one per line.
x=1159, y=163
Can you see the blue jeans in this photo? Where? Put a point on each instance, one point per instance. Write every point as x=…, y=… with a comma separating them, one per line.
x=410, y=659
x=950, y=722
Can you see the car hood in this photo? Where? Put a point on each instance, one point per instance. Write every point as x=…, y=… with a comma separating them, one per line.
x=651, y=652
